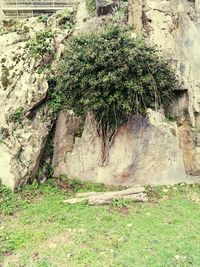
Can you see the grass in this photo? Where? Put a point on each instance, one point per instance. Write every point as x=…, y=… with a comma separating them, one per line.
x=37, y=229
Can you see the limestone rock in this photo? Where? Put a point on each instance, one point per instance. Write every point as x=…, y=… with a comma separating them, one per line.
x=145, y=152
x=22, y=90
x=174, y=27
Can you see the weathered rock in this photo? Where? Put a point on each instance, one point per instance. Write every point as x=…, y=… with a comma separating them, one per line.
x=154, y=150
x=148, y=151
x=142, y=153
x=105, y=7
x=174, y=27
x=22, y=90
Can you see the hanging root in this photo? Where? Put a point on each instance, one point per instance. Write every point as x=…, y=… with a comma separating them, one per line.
x=108, y=136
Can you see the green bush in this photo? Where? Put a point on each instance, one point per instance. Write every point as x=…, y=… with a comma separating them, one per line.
x=68, y=19
x=121, y=12
x=114, y=77
x=43, y=18
x=40, y=47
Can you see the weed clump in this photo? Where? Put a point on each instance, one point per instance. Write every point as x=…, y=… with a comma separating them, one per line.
x=17, y=116
x=40, y=47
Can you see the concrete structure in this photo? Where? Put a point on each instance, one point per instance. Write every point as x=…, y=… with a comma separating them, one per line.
x=31, y=8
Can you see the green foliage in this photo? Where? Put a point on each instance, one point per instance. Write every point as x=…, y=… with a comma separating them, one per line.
x=54, y=102
x=91, y=6
x=3, y=31
x=121, y=12
x=43, y=18
x=5, y=77
x=13, y=25
x=40, y=47
x=53, y=99
x=7, y=201
x=44, y=68
x=47, y=231
x=17, y=116
x=68, y=19
x=9, y=23
x=114, y=77
x=75, y=185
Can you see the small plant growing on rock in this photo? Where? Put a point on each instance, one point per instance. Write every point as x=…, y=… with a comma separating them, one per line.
x=41, y=46
x=43, y=18
x=5, y=77
x=121, y=11
x=68, y=19
x=114, y=77
x=17, y=116
x=8, y=23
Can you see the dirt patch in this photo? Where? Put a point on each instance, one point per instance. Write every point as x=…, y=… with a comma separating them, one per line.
x=123, y=210
x=10, y=259
x=194, y=197
x=58, y=240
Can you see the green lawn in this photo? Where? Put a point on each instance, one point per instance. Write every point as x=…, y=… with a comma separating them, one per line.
x=37, y=229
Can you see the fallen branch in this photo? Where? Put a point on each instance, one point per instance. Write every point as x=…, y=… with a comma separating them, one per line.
x=136, y=194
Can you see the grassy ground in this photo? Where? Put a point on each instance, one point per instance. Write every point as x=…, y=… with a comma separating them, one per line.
x=37, y=229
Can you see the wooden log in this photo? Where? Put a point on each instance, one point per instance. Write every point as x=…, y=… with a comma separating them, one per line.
x=131, y=190
x=99, y=198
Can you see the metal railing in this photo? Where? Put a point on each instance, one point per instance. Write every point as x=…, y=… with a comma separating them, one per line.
x=35, y=4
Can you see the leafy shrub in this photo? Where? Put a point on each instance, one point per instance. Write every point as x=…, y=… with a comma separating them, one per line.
x=8, y=23
x=43, y=18
x=68, y=19
x=114, y=77
x=121, y=12
x=13, y=25
x=3, y=31
x=40, y=47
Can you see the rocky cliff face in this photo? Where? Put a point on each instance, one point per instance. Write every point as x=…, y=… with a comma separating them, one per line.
x=151, y=150
x=175, y=27
x=154, y=151
x=145, y=151
x=24, y=123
